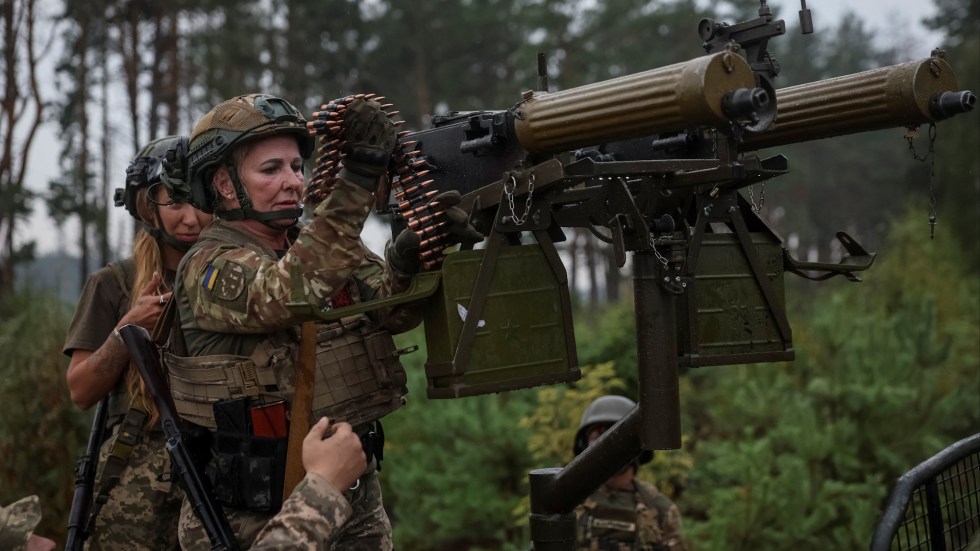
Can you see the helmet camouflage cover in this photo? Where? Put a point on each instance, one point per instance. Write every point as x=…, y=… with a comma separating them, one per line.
x=144, y=170
x=228, y=125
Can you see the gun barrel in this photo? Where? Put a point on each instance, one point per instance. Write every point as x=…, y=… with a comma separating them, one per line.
x=667, y=99
x=888, y=97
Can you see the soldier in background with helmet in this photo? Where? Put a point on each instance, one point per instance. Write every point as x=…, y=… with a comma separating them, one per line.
x=624, y=514
x=136, y=505
x=235, y=344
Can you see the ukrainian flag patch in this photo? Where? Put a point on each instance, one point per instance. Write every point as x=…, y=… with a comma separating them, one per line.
x=209, y=278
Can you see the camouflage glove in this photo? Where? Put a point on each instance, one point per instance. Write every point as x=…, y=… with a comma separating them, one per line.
x=370, y=137
x=459, y=229
x=403, y=253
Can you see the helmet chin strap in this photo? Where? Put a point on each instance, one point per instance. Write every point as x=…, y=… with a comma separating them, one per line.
x=160, y=234
x=247, y=212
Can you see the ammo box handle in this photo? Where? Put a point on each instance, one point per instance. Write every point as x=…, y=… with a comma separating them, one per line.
x=423, y=286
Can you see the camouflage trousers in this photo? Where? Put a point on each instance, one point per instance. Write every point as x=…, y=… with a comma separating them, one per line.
x=144, y=506
x=368, y=528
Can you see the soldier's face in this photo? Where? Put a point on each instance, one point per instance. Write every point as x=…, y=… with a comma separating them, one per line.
x=180, y=220
x=597, y=430
x=272, y=173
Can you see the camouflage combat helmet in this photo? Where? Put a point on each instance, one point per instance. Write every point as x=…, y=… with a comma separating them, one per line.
x=17, y=522
x=230, y=124
x=144, y=171
x=608, y=410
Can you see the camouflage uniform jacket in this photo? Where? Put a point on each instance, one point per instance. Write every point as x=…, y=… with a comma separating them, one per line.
x=309, y=519
x=622, y=520
x=233, y=291
x=243, y=290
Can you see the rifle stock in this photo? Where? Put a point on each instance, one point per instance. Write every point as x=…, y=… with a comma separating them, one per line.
x=147, y=360
x=81, y=502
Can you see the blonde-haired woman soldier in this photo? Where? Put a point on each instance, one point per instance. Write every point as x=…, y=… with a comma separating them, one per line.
x=136, y=503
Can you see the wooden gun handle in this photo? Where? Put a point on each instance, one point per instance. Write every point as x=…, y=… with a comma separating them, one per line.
x=299, y=418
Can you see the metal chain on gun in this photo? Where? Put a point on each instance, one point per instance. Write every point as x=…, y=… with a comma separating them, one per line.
x=509, y=187
x=661, y=258
x=762, y=198
x=929, y=157
x=406, y=172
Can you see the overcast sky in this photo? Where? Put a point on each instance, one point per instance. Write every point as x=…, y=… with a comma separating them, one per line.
x=896, y=23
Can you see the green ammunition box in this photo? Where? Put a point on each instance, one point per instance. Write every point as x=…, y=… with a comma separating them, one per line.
x=724, y=317
x=524, y=336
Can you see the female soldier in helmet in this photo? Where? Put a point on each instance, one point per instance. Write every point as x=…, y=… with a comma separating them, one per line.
x=624, y=514
x=235, y=341
x=136, y=505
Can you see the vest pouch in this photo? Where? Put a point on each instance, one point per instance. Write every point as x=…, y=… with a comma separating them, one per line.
x=223, y=470
x=355, y=381
x=614, y=521
x=247, y=471
x=265, y=468
x=383, y=356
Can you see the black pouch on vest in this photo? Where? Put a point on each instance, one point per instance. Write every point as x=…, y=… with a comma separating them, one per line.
x=246, y=471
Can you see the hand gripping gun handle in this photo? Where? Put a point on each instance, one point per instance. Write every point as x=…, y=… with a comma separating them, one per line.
x=198, y=489
x=81, y=501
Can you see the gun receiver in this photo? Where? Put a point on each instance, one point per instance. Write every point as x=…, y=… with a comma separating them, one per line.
x=198, y=489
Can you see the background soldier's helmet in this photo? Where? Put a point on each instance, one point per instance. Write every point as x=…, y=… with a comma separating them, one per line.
x=230, y=124
x=607, y=410
x=17, y=522
x=144, y=171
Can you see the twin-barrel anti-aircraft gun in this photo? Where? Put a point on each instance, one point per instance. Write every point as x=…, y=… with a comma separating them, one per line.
x=651, y=163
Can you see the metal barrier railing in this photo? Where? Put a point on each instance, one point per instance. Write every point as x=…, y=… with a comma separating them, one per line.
x=936, y=505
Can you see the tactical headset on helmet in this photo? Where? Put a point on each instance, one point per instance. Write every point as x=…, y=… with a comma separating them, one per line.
x=231, y=123
x=606, y=410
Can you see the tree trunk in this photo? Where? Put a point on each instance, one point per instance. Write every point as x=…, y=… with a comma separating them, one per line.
x=129, y=48
x=591, y=265
x=18, y=36
x=81, y=166
x=612, y=275
x=102, y=201
x=171, y=93
x=156, y=76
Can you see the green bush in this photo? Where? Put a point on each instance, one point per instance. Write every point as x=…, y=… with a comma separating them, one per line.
x=802, y=455
x=41, y=431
